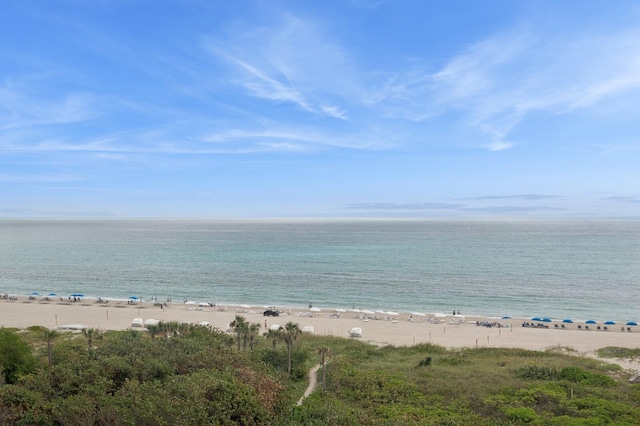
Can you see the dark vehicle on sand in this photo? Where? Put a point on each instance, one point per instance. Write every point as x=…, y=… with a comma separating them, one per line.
x=271, y=312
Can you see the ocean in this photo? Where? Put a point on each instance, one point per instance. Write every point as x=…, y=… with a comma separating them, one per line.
x=579, y=269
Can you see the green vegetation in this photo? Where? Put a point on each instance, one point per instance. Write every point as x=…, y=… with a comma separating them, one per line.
x=186, y=374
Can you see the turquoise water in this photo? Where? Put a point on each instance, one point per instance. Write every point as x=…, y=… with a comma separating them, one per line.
x=578, y=269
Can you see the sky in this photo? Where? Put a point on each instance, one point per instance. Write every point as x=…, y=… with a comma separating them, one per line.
x=319, y=109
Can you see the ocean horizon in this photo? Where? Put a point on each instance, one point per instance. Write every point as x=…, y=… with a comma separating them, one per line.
x=580, y=269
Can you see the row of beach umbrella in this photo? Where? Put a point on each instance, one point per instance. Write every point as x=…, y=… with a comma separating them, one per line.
x=590, y=321
x=35, y=293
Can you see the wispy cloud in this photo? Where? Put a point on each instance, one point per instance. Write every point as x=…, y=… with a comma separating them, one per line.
x=39, y=178
x=528, y=197
x=437, y=207
x=295, y=61
x=496, y=83
x=624, y=199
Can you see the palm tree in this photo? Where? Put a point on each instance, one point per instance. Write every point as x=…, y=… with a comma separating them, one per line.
x=240, y=327
x=254, y=330
x=274, y=335
x=324, y=354
x=154, y=329
x=290, y=334
x=50, y=335
x=91, y=333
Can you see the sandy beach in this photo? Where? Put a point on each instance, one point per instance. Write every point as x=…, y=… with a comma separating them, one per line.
x=400, y=330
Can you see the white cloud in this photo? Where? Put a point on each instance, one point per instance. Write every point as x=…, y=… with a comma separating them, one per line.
x=495, y=84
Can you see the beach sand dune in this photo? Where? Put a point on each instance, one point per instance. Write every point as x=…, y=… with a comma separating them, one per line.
x=400, y=330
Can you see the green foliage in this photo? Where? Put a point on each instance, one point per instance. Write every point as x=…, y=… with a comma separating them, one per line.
x=575, y=374
x=196, y=375
x=533, y=372
x=425, y=362
x=521, y=415
x=191, y=378
x=617, y=352
x=15, y=356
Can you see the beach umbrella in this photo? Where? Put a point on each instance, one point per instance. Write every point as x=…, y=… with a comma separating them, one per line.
x=51, y=294
x=590, y=322
x=536, y=319
x=609, y=323
x=546, y=319
x=77, y=295
x=567, y=321
x=632, y=323
x=418, y=314
x=506, y=317
x=134, y=297
x=35, y=293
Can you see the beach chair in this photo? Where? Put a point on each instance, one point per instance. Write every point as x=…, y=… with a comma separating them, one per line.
x=629, y=329
x=580, y=327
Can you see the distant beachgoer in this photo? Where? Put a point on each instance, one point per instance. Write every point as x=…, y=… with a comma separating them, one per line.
x=310, y=305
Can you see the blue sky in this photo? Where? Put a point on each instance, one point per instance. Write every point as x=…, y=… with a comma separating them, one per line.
x=361, y=108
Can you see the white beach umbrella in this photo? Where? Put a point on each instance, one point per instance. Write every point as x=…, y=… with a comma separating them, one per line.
x=418, y=314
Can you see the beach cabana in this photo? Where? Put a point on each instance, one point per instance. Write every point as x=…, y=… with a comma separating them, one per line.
x=355, y=332
x=137, y=323
x=308, y=329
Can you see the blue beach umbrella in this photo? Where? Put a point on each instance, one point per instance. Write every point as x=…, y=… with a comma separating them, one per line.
x=506, y=317
x=609, y=323
x=51, y=294
x=536, y=319
x=35, y=293
x=76, y=295
x=632, y=323
x=567, y=321
x=590, y=322
x=134, y=298
x=546, y=319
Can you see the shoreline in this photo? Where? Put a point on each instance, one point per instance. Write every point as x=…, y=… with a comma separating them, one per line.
x=380, y=328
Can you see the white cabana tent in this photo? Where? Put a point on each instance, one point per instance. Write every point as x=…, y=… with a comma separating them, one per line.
x=356, y=332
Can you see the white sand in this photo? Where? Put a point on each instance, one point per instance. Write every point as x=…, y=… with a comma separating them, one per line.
x=399, y=332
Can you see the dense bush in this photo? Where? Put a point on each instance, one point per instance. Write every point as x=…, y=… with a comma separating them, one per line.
x=199, y=376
